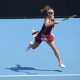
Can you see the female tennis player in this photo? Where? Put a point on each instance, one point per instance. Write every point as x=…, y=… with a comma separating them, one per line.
x=45, y=33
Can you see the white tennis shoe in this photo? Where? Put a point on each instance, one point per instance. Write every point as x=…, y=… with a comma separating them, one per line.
x=61, y=65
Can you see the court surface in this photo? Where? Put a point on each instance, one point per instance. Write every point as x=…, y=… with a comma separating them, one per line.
x=41, y=63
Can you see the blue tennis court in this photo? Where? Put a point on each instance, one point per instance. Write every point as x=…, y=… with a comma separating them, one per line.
x=41, y=63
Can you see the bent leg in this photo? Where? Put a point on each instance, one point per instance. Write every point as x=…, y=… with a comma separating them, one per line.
x=34, y=45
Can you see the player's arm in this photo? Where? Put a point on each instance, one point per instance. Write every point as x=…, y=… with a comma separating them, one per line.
x=49, y=23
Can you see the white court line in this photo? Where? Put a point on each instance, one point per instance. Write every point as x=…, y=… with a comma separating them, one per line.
x=45, y=75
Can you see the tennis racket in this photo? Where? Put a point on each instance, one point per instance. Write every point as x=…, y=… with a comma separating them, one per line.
x=73, y=16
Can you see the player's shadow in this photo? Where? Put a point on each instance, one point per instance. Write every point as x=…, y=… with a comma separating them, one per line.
x=19, y=68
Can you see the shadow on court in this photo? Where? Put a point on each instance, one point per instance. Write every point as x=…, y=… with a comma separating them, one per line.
x=20, y=68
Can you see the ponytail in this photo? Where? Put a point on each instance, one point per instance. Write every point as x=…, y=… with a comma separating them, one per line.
x=45, y=9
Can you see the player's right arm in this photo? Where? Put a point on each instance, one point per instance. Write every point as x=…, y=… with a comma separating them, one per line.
x=49, y=22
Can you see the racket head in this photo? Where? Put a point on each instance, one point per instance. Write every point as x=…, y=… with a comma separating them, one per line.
x=73, y=16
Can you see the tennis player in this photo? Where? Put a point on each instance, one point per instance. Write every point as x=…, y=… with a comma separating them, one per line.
x=45, y=34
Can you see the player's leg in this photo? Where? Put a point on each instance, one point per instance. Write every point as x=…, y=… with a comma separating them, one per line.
x=33, y=45
x=36, y=43
x=52, y=45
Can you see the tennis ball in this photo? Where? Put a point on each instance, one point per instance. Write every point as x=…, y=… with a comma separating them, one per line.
x=33, y=31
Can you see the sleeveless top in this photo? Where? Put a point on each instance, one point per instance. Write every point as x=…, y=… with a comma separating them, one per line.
x=46, y=30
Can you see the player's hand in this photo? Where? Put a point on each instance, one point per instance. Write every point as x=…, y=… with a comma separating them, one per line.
x=56, y=22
